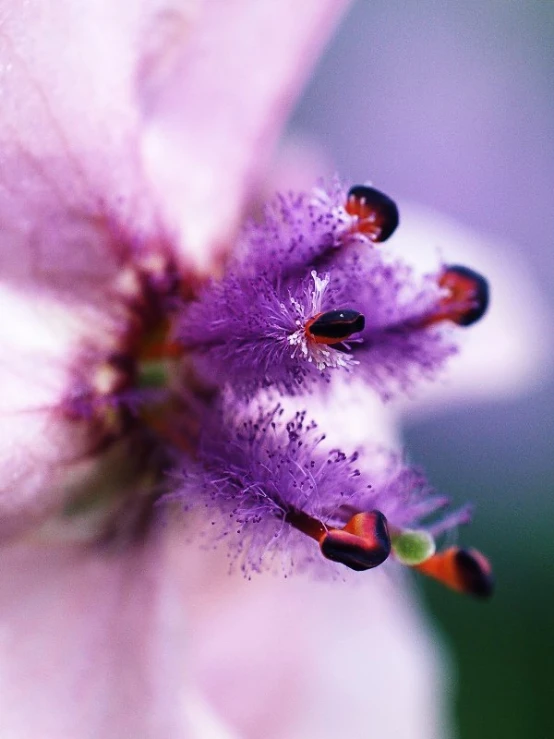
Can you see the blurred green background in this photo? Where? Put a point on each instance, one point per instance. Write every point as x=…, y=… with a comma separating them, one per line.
x=502, y=648
x=452, y=105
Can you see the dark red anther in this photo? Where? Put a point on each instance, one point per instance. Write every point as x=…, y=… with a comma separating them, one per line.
x=377, y=213
x=465, y=570
x=334, y=326
x=468, y=297
x=362, y=544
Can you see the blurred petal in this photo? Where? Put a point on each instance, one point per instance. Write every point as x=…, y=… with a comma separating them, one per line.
x=203, y=722
x=69, y=134
x=42, y=451
x=214, y=87
x=201, y=88
x=377, y=663
x=215, y=114
x=293, y=658
x=92, y=643
x=298, y=165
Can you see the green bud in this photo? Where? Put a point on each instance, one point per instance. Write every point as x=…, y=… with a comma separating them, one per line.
x=412, y=547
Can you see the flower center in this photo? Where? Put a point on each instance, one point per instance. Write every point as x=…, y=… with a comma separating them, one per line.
x=141, y=400
x=184, y=390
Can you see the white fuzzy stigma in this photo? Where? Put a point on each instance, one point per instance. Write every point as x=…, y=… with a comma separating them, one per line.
x=321, y=355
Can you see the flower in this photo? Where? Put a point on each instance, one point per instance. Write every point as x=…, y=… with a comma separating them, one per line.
x=272, y=323
x=128, y=361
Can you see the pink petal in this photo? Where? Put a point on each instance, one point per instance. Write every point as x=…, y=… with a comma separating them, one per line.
x=105, y=643
x=69, y=183
x=214, y=81
x=42, y=452
x=293, y=658
x=69, y=134
x=216, y=116
x=92, y=643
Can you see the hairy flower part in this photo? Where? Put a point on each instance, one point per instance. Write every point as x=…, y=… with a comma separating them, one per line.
x=272, y=486
x=309, y=294
x=247, y=332
x=297, y=230
x=304, y=231
x=399, y=345
x=173, y=383
x=254, y=327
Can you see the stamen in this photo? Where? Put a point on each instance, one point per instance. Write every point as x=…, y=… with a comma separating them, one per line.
x=468, y=297
x=463, y=570
x=334, y=326
x=377, y=214
x=305, y=523
x=362, y=544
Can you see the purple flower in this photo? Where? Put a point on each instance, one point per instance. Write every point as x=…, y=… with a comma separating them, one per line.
x=143, y=353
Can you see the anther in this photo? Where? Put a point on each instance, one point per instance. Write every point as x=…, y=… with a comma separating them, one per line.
x=377, y=214
x=464, y=570
x=468, y=297
x=362, y=544
x=334, y=326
